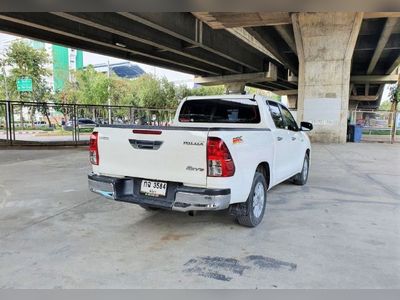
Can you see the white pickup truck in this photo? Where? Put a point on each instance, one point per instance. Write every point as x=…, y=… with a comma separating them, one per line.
x=220, y=152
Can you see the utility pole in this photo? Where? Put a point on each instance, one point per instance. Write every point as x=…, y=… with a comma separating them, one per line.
x=109, y=96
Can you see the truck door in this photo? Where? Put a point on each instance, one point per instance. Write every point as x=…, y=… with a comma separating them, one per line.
x=295, y=143
x=281, y=166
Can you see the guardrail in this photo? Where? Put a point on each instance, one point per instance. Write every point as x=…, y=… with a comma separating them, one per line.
x=51, y=123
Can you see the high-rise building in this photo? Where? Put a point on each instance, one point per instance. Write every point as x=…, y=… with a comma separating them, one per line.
x=63, y=61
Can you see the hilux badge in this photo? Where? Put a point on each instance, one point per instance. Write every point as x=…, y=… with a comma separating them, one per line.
x=190, y=143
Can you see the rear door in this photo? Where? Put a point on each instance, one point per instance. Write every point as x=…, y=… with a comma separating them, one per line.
x=281, y=166
x=168, y=154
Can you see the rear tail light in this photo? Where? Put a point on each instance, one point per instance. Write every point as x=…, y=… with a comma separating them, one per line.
x=93, y=149
x=219, y=159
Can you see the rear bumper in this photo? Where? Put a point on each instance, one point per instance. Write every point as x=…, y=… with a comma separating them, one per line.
x=179, y=197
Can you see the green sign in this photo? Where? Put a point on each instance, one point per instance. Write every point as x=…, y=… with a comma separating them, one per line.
x=24, y=84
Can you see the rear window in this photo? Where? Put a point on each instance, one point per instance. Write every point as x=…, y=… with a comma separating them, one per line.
x=220, y=111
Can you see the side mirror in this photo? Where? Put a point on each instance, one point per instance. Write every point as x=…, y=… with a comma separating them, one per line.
x=306, y=126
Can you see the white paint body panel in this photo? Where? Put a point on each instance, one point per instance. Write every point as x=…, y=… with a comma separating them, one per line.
x=119, y=158
x=169, y=163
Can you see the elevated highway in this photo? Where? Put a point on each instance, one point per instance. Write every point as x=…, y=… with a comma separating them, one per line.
x=325, y=62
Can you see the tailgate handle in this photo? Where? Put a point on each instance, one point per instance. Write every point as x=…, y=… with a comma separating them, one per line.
x=148, y=145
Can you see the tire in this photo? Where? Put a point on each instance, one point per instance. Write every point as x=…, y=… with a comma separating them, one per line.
x=149, y=208
x=256, y=203
x=302, y=177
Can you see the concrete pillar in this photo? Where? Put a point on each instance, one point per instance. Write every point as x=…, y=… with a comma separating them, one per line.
x=235, y=87
x=325, y=44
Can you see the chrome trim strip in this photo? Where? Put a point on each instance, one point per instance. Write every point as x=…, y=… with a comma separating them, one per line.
x=184, y=128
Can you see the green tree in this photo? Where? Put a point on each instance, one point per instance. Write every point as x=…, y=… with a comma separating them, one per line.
x=385, y=105
x=2, y=86
x=148, y=93
x=395, y=95
x=268, y=94
x=2, y=97
x=87, y=87
x=26, y=61
x=121, y=93
x=168, y=92
x=208, y=90
x=182, y=91
x=92, y=86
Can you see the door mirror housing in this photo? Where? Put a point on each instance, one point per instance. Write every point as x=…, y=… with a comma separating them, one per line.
x=306, y=126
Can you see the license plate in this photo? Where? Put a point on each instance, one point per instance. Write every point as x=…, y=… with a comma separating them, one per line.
x=153, y=188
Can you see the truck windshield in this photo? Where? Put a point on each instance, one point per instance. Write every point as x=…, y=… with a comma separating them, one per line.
x=220, y=111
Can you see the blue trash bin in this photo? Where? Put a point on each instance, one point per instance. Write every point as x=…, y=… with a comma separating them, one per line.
x=357, y=133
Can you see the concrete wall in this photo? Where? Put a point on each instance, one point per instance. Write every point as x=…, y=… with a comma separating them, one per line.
x=325, y=43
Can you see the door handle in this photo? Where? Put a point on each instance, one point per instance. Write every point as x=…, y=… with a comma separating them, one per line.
x=293, y=138
x=279, y=138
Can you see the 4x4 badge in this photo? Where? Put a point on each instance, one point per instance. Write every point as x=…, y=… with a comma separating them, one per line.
x=237, y=140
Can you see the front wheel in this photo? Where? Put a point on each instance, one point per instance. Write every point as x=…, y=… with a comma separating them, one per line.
x=301, y=178
x=255, y=204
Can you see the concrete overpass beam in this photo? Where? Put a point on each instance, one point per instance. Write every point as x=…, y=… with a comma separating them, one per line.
x=270, y=75
x=325, y=44
x=385, y=35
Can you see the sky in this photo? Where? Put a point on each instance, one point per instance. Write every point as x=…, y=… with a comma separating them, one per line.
x=92, y=58
x=176, y=77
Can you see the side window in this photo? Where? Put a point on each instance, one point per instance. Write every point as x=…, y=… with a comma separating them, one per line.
x=276, y=115
x=290, y=122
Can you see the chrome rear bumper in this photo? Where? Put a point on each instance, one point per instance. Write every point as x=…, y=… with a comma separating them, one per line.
x=179, y=197
x=186, y=201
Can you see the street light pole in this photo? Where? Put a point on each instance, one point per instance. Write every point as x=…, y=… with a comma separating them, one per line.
x=109, y=88
x=5, y=79
x=5, y=83
x=394, y=111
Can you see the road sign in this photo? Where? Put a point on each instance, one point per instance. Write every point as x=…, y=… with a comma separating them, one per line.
x=24, y=84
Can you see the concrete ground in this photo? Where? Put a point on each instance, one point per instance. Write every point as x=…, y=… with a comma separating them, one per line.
x=341, y=230
x=44, y=137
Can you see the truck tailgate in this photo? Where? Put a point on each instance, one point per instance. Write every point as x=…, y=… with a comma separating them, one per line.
x=167, y=153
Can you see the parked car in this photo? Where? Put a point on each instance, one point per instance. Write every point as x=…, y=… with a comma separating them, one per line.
x=83, y=123
x=220, y=152
x=38, y=124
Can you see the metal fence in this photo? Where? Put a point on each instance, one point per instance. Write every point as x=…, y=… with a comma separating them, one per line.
x=376, y=125
x=68, y=124
x=71, y=124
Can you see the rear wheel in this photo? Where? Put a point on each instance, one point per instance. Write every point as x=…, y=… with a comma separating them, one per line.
x=255, y=204
x=301, y=178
